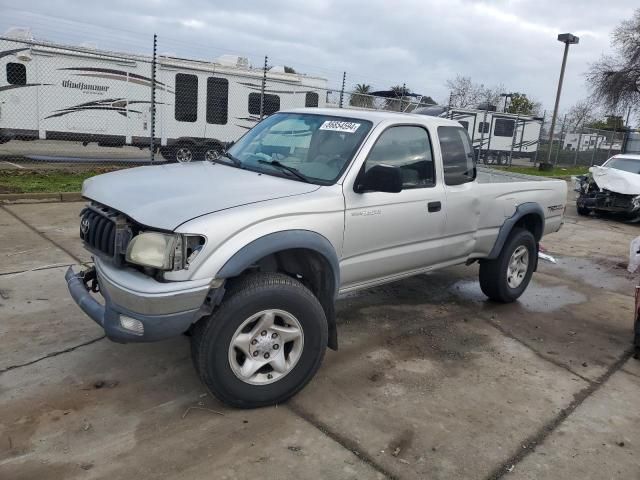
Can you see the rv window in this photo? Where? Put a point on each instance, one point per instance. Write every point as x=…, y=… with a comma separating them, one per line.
x=464, y=123
x=16, y=74
x=186, y=107
x=311, y=99
x=483, y=127
x=503, y=128
x=271, y=104
x=457, y=155
x=217, y=100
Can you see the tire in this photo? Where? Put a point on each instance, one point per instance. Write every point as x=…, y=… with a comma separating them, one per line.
x=582, y=210
x=211, y=152
x=494, y=280
x=249, y=306
x=180, y=153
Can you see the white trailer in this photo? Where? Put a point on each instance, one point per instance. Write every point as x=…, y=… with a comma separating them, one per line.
x=497, y=135
x=56, y=92
x=583, y=141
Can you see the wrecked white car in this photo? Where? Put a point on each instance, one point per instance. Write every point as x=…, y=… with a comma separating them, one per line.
x=613, y=187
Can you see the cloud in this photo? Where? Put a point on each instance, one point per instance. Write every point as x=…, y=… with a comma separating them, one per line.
x=418, y=42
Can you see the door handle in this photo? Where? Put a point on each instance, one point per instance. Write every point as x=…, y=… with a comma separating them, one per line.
x=434, y=206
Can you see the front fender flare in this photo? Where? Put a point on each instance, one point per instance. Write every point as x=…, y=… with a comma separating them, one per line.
x=276, y=242
x=285, y=240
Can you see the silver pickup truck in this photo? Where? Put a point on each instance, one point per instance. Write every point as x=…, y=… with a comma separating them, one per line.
x=248, y=253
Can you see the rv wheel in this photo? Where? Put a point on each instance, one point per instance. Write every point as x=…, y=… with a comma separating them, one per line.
x=212, y=152
x=491, y=158
x=184, y=153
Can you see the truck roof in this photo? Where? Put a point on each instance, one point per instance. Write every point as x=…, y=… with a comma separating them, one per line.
x=375, y=116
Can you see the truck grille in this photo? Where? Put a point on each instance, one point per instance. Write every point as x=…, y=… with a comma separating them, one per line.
x=98, y=231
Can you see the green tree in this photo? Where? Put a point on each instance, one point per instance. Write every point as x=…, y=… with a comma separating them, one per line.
x=398, y=103
x=361, y=96
x=521, y=104
x=611, y=122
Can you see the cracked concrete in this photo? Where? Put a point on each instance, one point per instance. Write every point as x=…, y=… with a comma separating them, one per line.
x=431, y=380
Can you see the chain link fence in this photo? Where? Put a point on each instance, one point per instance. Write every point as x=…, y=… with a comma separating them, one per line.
x=580, y=145
x=82, y=108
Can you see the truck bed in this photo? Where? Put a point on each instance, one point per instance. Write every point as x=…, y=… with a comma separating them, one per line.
x=491, y=175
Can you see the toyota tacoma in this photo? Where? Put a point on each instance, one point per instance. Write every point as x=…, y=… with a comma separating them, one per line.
x=246, y=254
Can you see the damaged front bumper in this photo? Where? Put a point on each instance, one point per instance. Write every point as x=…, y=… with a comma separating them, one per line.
x=137, y=308
x=591, y=197
x=609, y=202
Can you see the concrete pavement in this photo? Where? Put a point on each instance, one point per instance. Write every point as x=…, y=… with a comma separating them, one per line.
x=431, y=380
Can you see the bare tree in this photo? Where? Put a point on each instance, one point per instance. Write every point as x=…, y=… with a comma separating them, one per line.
x=581, y=113
x=464, y=93
x=615, y=79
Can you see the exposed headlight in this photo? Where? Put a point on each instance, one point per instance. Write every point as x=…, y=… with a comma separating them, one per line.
x=153, y=249
x=164, y=251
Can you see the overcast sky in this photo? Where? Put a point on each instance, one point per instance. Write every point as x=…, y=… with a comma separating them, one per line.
x=420, y=42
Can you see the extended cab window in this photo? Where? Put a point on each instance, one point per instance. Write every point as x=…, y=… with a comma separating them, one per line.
x=409, y=149
x=16, y=74
x=457, y=155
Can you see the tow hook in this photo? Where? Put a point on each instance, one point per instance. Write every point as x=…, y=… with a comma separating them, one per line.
x=90, y=280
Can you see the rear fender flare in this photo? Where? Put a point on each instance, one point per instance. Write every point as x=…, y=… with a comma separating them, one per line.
x=523, y=209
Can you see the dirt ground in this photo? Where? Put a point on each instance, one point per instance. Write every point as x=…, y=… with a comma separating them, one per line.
x=430, y=381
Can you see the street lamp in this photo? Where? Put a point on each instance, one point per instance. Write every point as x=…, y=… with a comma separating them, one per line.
x=567, y=39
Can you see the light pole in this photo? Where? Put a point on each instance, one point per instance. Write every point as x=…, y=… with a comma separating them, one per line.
x=567, y=39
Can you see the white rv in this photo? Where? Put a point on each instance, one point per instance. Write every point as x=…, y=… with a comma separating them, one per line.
x=584, y=141
x=50, y=91
x=497, y=135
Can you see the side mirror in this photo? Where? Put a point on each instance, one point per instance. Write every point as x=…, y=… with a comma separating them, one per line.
x=380, y=178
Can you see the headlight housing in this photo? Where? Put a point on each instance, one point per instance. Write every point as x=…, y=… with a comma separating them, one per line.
x=153, y=249
x=164, y=251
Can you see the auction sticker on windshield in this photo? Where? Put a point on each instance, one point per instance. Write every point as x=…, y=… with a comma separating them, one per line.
x=337, y=126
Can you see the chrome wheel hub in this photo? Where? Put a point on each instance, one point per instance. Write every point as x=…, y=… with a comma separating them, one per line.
x=211, y=155
x=518, y=266
x=184, y=155
x=266, y=347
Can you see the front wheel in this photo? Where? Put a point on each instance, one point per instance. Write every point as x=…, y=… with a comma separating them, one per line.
x=264, y=343
x=505, y=278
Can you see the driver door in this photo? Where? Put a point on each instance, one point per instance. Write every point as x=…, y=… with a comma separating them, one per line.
x=389, y=234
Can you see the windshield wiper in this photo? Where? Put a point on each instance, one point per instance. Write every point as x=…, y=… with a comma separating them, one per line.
x=233, y=159
x=282, y=166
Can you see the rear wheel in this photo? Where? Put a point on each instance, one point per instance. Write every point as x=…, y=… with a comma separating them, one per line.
x=184, y=153
x=263, y=344
x=505, y=278
x=212, y=152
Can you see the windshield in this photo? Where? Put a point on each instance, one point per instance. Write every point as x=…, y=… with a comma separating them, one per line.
x=301, y=146
x=626, y=164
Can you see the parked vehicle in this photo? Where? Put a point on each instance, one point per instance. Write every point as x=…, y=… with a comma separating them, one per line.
x=55, y=92
x=613, y=187
x=249, y=253
x=497, y=135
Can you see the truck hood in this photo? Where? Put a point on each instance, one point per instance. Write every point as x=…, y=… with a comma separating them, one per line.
x=166, y=196
x=615, y=180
